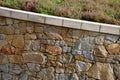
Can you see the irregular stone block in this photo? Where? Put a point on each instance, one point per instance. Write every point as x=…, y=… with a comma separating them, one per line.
x=62, y=77
x=116, y=69
x=23, y=76
x=76, y=52
x=113, y=49
x=53, y=50
x=9, y=21
x=6, y=76
x=18, y=41
x=3, y=43
x=98, y=71
x=54, y=36
x=3, y=59
x=28, y=45
x=59, y=70
x=112, y=38
x=38, y=28
x=66, y=49
x=100, y=51
x=9, y=38
x=30, y=36
x=16, y=59
x=88, y=54
x=34, y=57
x=74, y=76
x=36, y=45
x=4, y=67
x=7, y=30
x=14, y=68
x=3, y=19
x=65, y=58
x=46, y=74
x=33, y=67
x=99, y=40
x=7, y=49
x=81, y=66
x=3, y=36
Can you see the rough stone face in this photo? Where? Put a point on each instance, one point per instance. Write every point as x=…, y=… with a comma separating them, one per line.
x=112, y=38
x=113, y=49
x=100, y=51
x=2, y=20
x=99, y=40
x=79, y=57
x=101, y=71
x=95, y=71
x=65, y=58
x=4, y=67
x=7, y=49
x=106, y=69
x=3, y=59
x=30, y=36
x=88, y=55
x=116, y=69
x=18, y=41
x=36, y=45
x=81, y=66
x=77, y=52
x=28, y=45
x=30, y=29
x=38, y=29
x=3, y=36
x=3, y=43
x=66, y=49
x=22, y=27
x=53, y=50
x=74, y=76
x=14, y=68
x=9, y=38
x=34, y=57
x=6, y=76
x=62, y=77
x=46, y=74
x=23, y=76
x=33, y=67
x=54, y=36
x=60, y=70
x=7, y=30
x=16, y=59
x=9, y=21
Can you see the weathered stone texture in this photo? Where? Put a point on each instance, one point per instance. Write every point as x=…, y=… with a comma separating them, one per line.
x=18, y=41
x=54, y=50
x=113, y=49
x=34, y=57
x=35, y=51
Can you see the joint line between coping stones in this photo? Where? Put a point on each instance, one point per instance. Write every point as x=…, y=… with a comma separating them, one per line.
x=100, y=28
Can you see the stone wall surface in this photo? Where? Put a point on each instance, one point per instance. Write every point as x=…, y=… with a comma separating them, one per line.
x=34, y=51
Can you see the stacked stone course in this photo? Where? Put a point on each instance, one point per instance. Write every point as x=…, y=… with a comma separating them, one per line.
x=34, y=51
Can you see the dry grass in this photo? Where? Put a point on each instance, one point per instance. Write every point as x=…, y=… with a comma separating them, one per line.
x=105, y=11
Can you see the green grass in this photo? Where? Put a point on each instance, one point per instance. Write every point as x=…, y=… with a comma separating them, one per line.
x=105, y=11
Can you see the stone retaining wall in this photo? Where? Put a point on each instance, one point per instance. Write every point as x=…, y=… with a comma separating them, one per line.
x=38, y=51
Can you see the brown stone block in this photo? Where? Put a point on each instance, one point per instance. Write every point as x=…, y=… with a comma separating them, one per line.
x=53, y=50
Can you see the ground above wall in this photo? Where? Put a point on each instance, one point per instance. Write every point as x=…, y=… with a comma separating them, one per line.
x=41, y=47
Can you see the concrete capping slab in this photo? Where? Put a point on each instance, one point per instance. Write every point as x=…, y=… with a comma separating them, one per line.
x=111, y=29
x=91, y=26
x=57, y=21
x=72, y=23
x=60, y=21
x=5, y=12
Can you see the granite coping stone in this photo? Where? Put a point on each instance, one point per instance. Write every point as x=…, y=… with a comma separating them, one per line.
x=60, y=21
